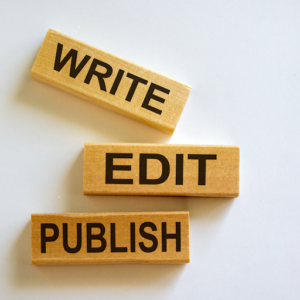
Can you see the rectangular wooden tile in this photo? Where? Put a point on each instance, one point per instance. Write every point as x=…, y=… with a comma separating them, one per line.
x=157, y=169
x=110, y=82
x=90, y=238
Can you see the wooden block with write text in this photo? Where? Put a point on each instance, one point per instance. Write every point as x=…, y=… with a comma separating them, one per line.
x=164, y=170
x=110, y=82
x=90, y=238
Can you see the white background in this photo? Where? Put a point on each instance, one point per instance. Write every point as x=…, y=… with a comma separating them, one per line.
x=242, y=59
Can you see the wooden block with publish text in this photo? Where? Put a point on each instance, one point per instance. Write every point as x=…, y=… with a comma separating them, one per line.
x=90, y=238
x=164, y=170
x=110, y=82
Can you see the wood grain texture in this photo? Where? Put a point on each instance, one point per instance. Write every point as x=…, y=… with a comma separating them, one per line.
x=157, y=237
x=157, y=169
x=125, y=87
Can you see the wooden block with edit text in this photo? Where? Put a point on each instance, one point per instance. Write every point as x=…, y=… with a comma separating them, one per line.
x=90, y=238
x=162, y=170
x=110, y=82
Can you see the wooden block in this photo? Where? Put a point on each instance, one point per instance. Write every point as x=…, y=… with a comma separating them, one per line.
x=90, y=238
x=110, y=82
x=165, y=170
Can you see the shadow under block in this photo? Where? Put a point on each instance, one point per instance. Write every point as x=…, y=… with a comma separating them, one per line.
x=162, y=170
x=90, y=238
x=110, y=82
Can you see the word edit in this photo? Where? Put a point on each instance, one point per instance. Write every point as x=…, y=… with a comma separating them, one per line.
x=167, y=170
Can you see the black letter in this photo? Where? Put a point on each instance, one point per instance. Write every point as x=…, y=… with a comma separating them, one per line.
x=132, y=237
x=148, y=236
x=92, y=71
x=116, y=82
x=113, y=240
x=150, y=96
x=202, y=165
x=65, y=239
x=110, y=167
x=72, y=54
x=99, y=236
x=165, y=236
x=45, y=238
x=134, y=85
x=143, y=168
x=179, y=169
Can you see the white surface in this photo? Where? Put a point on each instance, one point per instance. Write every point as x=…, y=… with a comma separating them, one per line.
x=242, y=59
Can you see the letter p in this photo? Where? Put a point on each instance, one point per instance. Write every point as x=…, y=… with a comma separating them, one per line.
x=44, y=238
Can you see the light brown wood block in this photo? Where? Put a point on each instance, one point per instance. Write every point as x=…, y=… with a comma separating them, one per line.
x=90, y=238
x=157, y=169
x=110, y=82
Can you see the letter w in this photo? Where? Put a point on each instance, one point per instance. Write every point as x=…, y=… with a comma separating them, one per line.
x=72, y=54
